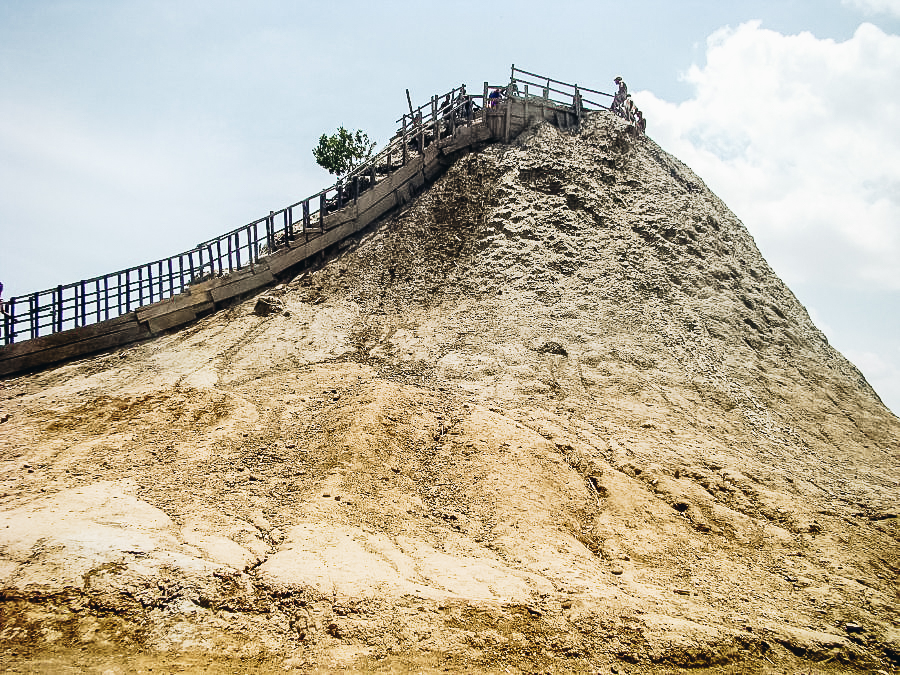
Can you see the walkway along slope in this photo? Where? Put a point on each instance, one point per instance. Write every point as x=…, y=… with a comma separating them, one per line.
x=147, y=300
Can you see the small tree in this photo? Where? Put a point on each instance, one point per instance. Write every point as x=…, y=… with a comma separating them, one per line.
x=343, y=150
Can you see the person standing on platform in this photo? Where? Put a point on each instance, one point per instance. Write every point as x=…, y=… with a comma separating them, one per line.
x=628, y=109
x=619, y=98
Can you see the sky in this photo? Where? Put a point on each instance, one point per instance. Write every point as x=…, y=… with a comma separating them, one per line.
x=130, y=131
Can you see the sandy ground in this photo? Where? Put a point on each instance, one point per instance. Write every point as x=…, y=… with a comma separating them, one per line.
x=558, y=415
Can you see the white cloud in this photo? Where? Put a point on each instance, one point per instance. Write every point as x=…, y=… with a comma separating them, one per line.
x=874, y=6
x=797, y=135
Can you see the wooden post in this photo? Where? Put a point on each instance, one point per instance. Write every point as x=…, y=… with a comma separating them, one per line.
x=128, y=291
x=106, y=296
x=484, y=102
x=97, y=290
x=118, y=293
x=321, y=212
x=526, y=104
x=508, y=121
x=33, y=315
x=150, y=276
x=59, y=310
x=305, y=215
x=83, y=307
x=454, y=109
x=141, y=285
x=190, y=256
x=404, y=141
x=435, y=120
x=420, y=131
x=577, y=105
x=9, y=321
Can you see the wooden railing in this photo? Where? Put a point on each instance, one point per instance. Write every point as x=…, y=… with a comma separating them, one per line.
x=112, y=295
x=532, y=86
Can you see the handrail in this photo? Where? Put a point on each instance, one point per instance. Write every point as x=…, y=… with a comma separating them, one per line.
x=543, y=83
x=111, y=295
x=116, y=294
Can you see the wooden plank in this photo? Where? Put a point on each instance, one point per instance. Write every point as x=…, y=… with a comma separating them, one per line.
x=374, y=195
x=262, y=278
x=187, y=299
x=332, y=220
x=126, y=335
x=405, y=142
x=64, y=337
x=178, y=318
x=403, y=174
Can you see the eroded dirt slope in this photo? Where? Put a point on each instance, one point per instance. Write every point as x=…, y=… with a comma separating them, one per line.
x=559, y=414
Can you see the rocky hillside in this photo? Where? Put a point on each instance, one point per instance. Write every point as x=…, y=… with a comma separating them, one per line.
x=557, y=415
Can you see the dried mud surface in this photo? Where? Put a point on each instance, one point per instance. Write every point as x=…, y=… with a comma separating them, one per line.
x=558, y=415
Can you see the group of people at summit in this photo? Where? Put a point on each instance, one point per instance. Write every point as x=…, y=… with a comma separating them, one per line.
x=623, y=106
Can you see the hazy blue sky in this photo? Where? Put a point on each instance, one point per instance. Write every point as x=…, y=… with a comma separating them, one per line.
x=132, y=130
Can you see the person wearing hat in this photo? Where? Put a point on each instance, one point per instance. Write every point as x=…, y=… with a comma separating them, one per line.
x=619, y=98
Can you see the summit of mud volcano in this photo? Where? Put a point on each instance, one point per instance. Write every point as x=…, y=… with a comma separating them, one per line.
x=557, y=414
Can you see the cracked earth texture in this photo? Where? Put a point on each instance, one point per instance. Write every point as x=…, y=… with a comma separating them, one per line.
x=556, y=415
